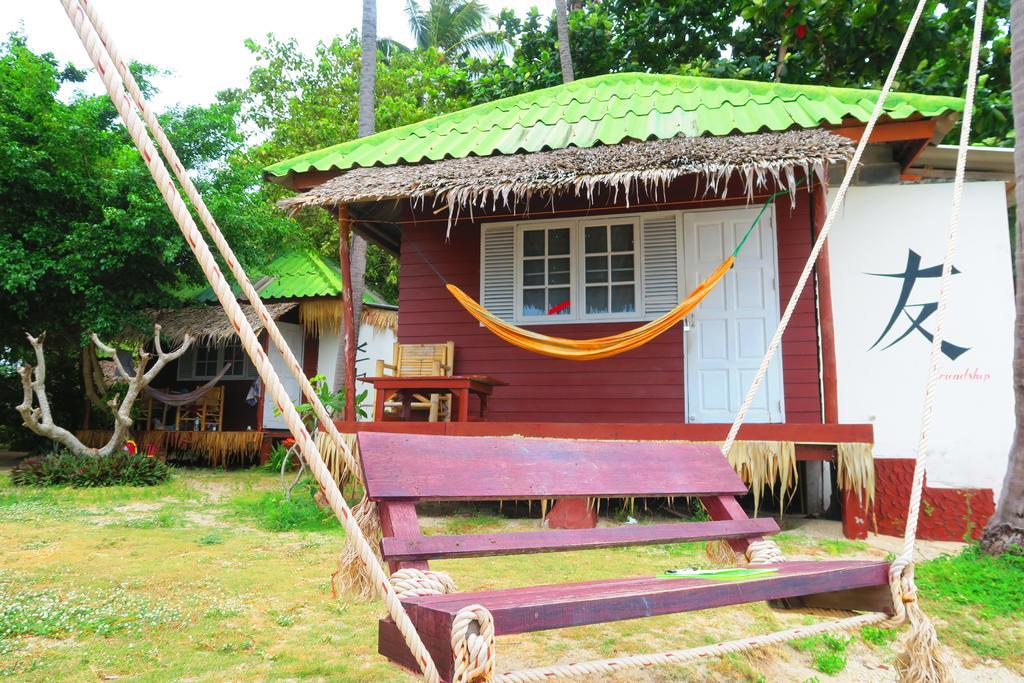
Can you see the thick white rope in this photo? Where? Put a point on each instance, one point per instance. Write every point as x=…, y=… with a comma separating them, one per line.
x=250, y=342
x=910, y=532
x=194, y=196
x=474, y=649
x=414, y=583
x=833, y=211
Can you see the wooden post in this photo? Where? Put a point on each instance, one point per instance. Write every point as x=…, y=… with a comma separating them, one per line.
x=348, y=326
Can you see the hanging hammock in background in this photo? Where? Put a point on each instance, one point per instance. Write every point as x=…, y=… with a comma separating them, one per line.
x=605, y=347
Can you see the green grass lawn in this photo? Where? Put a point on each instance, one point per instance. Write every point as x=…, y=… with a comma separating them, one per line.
x=211, y=577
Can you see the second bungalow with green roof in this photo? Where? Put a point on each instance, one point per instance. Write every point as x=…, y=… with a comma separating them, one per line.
x=586, y=209
x=235, y=420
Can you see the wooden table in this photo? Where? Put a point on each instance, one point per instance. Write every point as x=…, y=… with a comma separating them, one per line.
x=459, y=386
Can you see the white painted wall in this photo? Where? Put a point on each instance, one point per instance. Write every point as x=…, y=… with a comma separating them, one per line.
x=293, y=335
x=379, y=345
x=973, y=420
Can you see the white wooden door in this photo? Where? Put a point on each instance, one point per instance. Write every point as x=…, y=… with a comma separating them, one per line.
x=293, y=336
x=728, y=333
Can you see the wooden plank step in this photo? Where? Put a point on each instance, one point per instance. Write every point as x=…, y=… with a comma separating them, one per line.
x=484, y=545
x=538, y=608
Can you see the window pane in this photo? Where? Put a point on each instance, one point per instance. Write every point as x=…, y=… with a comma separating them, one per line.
x=622, y=238
x=597, y=269
x=533, y=272
x=596, y=239
x=233, y=354
x=558, y=241
x=623, y=300
x=558, y=271
x=556, y=297
x=533, y=302
x=206, y=361
x=622, y=268
x=533, y=243
x=597, y=299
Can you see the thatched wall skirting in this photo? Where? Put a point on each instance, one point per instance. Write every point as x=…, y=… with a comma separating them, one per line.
x=325, y=314
x=221, y=448
x=855, y=471
x=510, y=180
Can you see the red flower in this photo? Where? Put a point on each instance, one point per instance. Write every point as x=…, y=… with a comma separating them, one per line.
x=801, y=31
x=288, y=443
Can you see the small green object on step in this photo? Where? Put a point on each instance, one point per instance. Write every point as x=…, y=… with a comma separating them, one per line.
x=731, y=574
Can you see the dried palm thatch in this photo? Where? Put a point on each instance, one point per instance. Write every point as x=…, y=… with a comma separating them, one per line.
x=220, y=448
x=320, y=315
x=325, y=315
x=762, y=464
x=205, y=324
x=855, y=471
x=507, y=180
x=380, y=318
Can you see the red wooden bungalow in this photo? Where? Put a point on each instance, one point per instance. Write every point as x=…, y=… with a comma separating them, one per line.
x=585, y=209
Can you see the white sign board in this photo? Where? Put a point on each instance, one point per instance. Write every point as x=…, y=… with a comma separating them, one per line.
x=886, y=253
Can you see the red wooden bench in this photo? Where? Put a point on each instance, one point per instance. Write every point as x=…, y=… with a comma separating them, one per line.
x=403, y=469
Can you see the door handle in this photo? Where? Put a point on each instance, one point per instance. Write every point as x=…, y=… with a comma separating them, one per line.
x=688, y=323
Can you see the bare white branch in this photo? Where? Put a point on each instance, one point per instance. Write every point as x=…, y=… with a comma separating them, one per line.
x=35, y=407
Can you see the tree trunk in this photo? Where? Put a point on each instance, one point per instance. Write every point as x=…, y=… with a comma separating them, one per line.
x=349, y=330
x=564, y=55
x=368, y=69
x=1006, y=528
x=357, y=251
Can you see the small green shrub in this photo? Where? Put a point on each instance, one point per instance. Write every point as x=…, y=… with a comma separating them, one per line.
x=272, y=512
x=827, y=651
x=877, y=636
x=212, y=538
x=67, y=469
x=830, y=662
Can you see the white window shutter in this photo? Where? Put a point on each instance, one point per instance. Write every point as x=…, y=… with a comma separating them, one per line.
x=497, y=270
x=661, y=264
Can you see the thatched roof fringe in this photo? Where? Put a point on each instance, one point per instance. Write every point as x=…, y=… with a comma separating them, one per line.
x=508, y=181
x=207, y=325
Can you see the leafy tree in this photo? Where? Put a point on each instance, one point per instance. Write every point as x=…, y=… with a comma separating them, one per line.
x=453, y=27
x=830, y=42
x=309, y=101
x=86, y=242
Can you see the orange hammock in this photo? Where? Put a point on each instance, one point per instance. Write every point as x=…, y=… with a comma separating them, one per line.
x=590, y=349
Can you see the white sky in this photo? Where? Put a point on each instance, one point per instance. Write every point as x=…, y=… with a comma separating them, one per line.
x=200, y=41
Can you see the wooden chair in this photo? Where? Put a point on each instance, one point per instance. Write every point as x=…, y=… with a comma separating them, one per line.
x=402, y=469
x=205, y=415
x=422, y=360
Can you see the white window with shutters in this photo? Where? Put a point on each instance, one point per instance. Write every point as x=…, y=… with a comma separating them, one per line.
x=497, y=269
x=662, y=262
x=611, y=268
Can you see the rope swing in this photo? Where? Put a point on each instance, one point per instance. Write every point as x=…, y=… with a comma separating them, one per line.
x=472, y=635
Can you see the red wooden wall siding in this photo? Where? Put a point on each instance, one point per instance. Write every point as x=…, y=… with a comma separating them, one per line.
x=644, y=385
x=800, y=342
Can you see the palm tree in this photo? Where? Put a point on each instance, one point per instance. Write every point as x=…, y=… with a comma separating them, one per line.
x=454, y=27
x=1006, y=528
x=357, y=252
x=562, y=21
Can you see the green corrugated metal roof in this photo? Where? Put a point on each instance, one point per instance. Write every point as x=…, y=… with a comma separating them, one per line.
x=610, y=109
x=295, y=275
